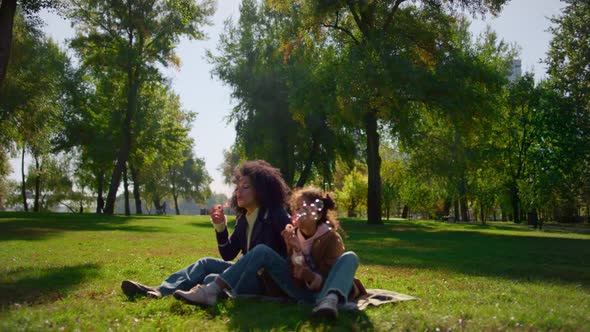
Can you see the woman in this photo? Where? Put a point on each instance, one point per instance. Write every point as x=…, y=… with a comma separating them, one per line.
x=259, y=200
x=317, y=270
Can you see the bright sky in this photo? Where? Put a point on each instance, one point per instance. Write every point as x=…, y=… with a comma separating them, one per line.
x=523, y=22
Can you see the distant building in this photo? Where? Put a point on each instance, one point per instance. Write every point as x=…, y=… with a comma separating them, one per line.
x=515, y=70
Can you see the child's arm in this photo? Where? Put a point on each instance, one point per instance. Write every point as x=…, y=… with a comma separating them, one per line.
x=334, y=248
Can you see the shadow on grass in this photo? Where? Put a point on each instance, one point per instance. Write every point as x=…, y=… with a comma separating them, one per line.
x=38, y=226
x=249, y=314
x=465, y=250
x=37, y=285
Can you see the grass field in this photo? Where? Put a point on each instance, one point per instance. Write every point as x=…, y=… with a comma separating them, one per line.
x=63, y=271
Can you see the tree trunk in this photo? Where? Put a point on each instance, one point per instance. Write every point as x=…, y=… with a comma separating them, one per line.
x=533, y=218
x=134, y=178
x=7, y=10
x=307, y=168
x=447, y=207
x=515, y=202
x=456, y=209
x=176, y=205
x=100, y=199
x=126, y=192
x=374, y=170
x=464, y=209
x=158, y=206
x=463, y=199
x=351, y=209
x=405, y=212
x=36, y=206
x=133, y=81
x=482, y=214
x=23, y=186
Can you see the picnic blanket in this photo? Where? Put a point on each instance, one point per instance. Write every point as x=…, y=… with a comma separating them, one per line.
x=374, y=297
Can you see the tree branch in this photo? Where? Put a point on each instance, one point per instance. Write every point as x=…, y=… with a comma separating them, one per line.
x=390, y=15
x=337, y=27
x=356, y=17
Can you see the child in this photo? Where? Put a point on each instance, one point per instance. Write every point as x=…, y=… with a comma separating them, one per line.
x=316, y=251
x=318, y=270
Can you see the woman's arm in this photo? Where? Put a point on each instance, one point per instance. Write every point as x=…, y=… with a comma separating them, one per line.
x=230, y=246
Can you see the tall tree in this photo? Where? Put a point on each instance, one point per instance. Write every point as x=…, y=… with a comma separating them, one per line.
x=568, y=61
x=34, y=94
x=383, y=40
x=190, y=180
x=283, y=92
x=136, y=34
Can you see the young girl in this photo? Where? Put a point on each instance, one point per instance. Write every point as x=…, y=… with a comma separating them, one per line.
x=317, y=270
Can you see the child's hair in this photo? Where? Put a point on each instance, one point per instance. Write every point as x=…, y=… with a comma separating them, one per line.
x=309, y=195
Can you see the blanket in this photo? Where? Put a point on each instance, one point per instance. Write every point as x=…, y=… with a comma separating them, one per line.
x=377, y=297
x=374, y=297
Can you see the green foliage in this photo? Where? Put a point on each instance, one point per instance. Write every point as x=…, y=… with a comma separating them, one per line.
x=33, y=91
x=352, y=197
x=393, y=172
x=286, y=107
x=567, y=61
x=128, y=39
x=231, y=159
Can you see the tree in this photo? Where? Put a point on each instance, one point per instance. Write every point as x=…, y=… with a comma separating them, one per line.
x=52, y=182
x=34, y=94
x=4, y=182
x=284, y=93
x=8, y=10
x=352, y=195
x=393, y=172
x=388, y=45
x=231, y=159
x=161, y=159
x=521, y=128
x=567, y=61
x=136, y=35
x=190, y=181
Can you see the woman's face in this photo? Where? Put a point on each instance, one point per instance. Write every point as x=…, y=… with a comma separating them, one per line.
x=245, y=194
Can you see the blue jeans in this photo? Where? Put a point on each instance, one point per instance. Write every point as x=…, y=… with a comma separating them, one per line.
x=202, y=271
x=339, y=280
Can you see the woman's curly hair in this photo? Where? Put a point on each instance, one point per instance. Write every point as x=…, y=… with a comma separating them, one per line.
x=270, y=188
x=309, y=195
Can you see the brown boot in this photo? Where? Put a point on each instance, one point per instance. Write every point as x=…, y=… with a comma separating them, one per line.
x=132, y=288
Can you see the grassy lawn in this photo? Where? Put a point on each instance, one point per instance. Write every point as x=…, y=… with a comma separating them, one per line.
x=62, y=272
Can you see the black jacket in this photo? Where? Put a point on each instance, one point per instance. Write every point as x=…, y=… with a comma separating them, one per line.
x=267, y=230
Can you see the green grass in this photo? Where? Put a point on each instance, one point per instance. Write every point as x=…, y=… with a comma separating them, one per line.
x=62, y=272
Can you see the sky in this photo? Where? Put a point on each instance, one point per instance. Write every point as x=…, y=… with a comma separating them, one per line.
x=523, y=22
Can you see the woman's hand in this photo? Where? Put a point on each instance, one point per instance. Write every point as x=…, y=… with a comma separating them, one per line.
x=218, y=218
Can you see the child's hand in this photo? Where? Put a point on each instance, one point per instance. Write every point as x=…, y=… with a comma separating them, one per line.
x=298, y=271
x=290, y=238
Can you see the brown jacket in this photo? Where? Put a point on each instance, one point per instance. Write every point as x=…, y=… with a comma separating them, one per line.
x=325, y=251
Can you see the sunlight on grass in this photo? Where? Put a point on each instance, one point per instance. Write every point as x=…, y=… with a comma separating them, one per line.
x=64, y=271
